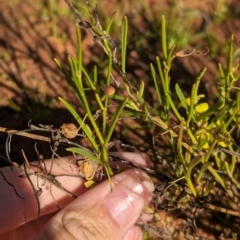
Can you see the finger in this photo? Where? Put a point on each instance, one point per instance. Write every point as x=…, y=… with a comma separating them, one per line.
x=141, y=159
x=130, y=159
x=101, y=213
x=16, y=211
x=28, y=230
x=135, y=233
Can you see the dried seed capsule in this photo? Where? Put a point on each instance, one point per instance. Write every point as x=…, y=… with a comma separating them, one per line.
x=109, y=90
x=69, y=130
x=88, y=169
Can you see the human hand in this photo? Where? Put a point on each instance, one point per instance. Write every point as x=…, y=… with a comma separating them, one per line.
x=96, y=214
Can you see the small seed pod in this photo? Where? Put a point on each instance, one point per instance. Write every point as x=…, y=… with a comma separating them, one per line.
x=88, y=169
x=185, y=52
x=69, y=130
x=109, y=90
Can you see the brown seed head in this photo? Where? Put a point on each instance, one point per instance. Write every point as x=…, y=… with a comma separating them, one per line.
x=88, y=169
x=69, y=130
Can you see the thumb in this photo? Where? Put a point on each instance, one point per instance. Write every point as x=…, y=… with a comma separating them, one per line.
x=101, y=213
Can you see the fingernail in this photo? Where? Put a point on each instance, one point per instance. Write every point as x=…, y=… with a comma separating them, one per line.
x=129, y=196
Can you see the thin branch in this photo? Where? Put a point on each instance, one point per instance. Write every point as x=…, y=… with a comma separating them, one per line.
x=36, y=192
x=25, y=133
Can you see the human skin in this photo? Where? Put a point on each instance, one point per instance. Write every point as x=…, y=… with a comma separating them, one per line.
x=98, y=213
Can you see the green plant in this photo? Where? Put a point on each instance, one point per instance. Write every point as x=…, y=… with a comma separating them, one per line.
x=204, y=151
x=82, y=82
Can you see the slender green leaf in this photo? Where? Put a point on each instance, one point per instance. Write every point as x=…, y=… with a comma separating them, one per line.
x=110, y=22
x=169, y=59
x=140, y=98
x=203, y=169
x=179, y=144
x=93, y=87
x=191, y=114
x=114, y=120
x=84, y=153
x=124, y=43
x=141, y=88
x=221, y=114
x=218, y=178
x=229, y=63
x=157, y=87
x=164, y=39
x=160, y=72
x=95, y=74
x=195, y=161
x=181, y=96
x=79, y=50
